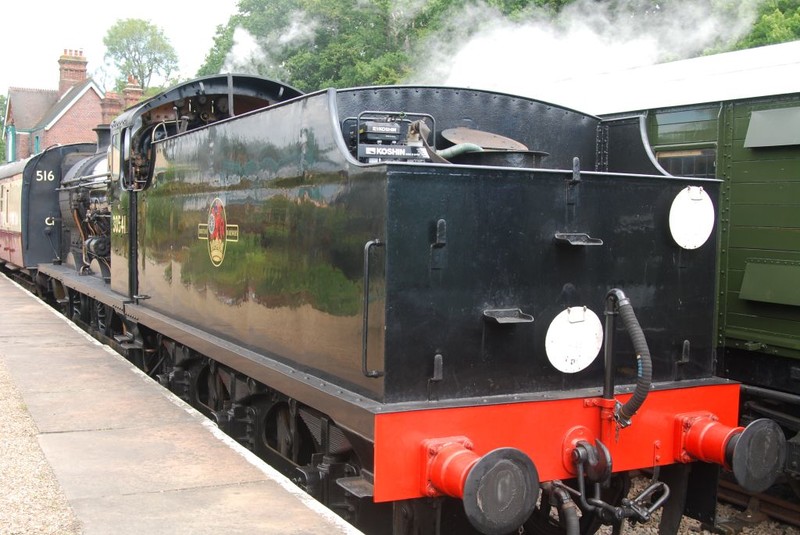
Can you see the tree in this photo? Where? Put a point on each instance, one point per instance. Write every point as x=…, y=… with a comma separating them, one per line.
x=312, y=44
x=778, y=22
x=138, y=48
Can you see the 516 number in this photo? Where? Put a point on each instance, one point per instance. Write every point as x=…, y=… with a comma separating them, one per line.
x=42, y=175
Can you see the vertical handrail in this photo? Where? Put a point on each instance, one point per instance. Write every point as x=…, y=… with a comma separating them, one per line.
x=365, y=317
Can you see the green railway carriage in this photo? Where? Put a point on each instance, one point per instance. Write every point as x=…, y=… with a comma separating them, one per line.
x=754, y=145
x=736, y=117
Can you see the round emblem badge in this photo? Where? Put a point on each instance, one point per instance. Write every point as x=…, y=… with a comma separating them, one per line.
x=216, y=232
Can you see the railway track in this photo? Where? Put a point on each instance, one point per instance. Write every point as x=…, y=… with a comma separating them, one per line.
x=758, y=507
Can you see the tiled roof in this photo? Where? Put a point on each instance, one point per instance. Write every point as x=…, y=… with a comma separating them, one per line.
x=27, y=107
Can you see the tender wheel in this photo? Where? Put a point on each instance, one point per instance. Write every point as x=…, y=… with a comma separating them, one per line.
x=77, y=307
x=278, y=431
x=102, y=315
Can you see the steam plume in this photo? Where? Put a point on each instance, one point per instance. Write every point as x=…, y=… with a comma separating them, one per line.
x=479, y=47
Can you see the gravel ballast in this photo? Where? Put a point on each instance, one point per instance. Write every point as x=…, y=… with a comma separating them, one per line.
x=32, y=501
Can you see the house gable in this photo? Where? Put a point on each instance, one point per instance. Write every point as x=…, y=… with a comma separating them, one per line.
x=75, y=123
x=25, y=109
x=39, y=118
x=70, y=99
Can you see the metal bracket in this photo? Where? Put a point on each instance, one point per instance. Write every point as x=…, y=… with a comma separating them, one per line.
x=578, y=239
x=357, y=486
x=507, y=315
x=438, y=247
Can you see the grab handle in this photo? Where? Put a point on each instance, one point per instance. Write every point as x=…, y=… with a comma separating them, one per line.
x=365, y=318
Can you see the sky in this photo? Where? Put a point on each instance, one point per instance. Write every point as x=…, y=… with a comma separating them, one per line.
x=35, y=34
x=535, y=56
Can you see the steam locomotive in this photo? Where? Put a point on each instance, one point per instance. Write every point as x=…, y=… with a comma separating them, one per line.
x=399, y=296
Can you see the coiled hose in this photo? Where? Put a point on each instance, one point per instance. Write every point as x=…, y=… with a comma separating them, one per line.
x=644, y=361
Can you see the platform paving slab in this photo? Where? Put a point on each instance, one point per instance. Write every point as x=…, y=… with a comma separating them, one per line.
x=130, y=457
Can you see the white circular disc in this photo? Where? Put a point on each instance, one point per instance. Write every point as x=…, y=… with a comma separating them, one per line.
x=691, y=217
x=573, y=339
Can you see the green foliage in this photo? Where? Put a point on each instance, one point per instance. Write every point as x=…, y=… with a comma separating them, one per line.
x=140, y=49
x=313, y=44
x=778, y=22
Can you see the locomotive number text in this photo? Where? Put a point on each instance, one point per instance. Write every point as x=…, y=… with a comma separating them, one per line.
x=44, y=175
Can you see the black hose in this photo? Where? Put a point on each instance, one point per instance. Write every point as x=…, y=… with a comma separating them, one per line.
x=567, y=512
x=644, y=362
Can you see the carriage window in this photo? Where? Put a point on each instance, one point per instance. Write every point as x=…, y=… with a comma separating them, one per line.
x=695, y=163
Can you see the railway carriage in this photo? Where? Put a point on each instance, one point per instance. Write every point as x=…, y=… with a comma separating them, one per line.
x=736, y=117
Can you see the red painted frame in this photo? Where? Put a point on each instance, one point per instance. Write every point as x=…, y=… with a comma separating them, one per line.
x=545, y=430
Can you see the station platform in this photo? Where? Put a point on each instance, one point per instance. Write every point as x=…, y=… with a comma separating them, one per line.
x=131, y=457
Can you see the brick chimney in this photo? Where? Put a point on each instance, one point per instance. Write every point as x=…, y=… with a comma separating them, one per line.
x=132, y=92
x=110, y=107
x=72, y=70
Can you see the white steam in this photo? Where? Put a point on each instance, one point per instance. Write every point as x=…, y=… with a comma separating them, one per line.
x=532, y=55
x=301, y=30
x=250, y=55
x=246, y=56
x=558, y=58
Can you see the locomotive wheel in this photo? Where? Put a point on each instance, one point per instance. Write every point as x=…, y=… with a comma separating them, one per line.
x=276, y=437
x=217, y=393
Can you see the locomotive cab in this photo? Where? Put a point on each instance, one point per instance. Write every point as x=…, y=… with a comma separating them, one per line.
x=189, y=106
